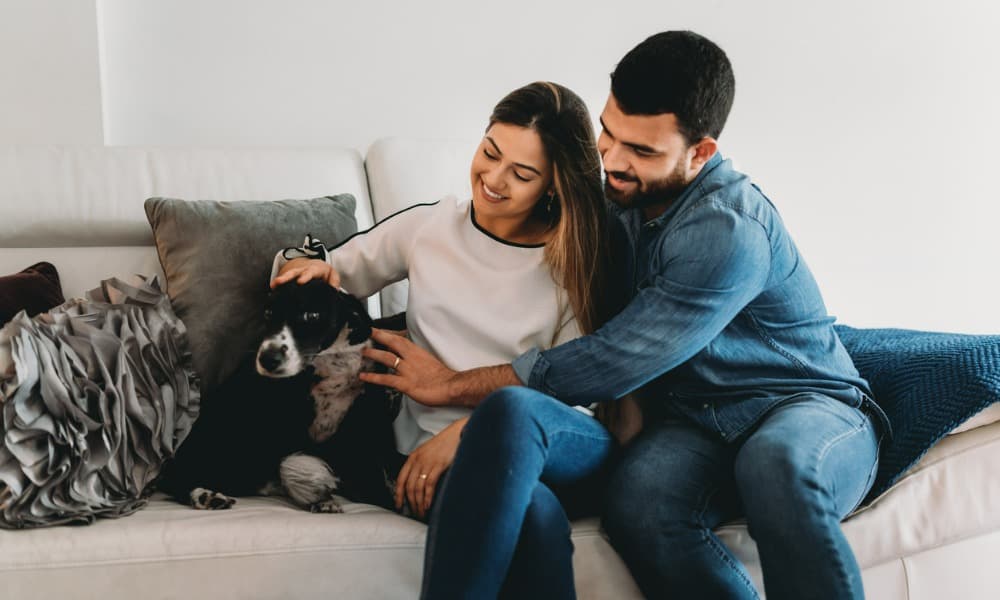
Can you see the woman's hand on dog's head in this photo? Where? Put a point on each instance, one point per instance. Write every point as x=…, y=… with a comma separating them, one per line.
x=303, y=270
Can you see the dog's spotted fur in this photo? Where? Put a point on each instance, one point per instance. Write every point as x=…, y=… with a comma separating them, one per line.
x=290, y=421
x=335, y=392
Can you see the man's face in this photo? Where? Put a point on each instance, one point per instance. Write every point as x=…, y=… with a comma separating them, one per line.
x=647, y=161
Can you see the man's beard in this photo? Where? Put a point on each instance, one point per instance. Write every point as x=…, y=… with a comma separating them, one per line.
x=661, y=192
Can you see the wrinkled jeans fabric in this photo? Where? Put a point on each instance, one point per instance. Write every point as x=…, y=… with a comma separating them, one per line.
x=500, y=526
x=807, y=464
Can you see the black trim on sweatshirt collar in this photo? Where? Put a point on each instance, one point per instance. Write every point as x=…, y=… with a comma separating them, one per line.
x=472, y=216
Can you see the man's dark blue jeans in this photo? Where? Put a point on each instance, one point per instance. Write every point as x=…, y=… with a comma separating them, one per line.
x=498, y=527
x=808, y=463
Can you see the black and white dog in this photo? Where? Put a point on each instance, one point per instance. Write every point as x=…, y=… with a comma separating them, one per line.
x=296, y=420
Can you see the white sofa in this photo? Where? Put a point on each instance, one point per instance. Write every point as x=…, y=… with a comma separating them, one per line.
x=935, y=534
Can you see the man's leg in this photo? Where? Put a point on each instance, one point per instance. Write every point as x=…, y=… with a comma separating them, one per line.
x=672, y=488
x=809, y=463
x=514, y=439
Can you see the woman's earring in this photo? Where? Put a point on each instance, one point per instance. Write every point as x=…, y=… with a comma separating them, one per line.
x=551, y=203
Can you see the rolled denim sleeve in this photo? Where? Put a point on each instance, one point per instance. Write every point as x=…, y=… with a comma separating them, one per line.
x=710, y=267
x=525, y=364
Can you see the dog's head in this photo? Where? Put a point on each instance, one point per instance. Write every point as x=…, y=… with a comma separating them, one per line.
x=303, y=320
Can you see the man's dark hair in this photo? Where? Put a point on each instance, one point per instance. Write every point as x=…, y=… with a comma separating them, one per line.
x=677, y=72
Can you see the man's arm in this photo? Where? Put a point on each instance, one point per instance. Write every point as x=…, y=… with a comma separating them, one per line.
x=468, y=388
x=714, y=264
x=421, y=376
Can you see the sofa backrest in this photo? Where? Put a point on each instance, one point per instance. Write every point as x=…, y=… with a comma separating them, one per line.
x=81, y=208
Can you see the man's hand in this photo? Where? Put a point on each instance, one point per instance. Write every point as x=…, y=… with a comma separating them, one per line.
x=418, y=479
x=421, y=376
x=303, y=270
x=418, y=373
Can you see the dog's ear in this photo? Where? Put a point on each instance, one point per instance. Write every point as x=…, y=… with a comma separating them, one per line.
x=358, y=320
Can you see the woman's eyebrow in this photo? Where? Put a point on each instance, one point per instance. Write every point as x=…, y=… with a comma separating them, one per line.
x=522, y=165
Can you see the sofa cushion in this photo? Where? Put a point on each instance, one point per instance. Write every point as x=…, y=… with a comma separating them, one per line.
x=217, y=257
x=35, y=289
x=927, y=384
x=263, y=547
x=987, y=417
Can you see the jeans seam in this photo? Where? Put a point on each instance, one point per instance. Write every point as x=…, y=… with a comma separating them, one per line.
x=836, y=440
x=713, y=543
x=838, y=563
x=562, y=431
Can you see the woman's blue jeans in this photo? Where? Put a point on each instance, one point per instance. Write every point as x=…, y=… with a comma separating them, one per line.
x=808, y=463
x=498, y=528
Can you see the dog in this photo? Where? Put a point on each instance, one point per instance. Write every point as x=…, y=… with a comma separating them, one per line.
x=296, y=420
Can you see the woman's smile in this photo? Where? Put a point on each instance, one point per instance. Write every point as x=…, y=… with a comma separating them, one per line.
x=490, y=194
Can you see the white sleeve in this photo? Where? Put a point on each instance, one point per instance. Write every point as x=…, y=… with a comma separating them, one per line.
x=369, y=260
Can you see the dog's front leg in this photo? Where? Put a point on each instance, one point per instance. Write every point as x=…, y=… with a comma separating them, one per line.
x=205, y=499
x=310, y=483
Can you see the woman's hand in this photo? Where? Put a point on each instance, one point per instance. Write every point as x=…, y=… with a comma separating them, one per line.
x=306, y=269
x=418, y=479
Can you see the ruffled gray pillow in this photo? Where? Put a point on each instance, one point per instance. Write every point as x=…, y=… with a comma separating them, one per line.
x=95, y=396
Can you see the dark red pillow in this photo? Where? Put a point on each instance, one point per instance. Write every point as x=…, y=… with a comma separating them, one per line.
x=35, y=289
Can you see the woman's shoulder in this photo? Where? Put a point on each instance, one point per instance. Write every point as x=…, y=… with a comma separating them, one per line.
x=450, y=210
x=447, y=206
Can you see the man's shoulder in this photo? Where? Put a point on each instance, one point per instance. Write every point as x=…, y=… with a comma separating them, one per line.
x=726, y=189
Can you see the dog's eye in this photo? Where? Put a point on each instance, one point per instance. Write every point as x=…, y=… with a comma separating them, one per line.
x=310, y=317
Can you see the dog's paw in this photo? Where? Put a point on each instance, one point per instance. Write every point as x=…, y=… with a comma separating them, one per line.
x=330, y=505
x=203, y=499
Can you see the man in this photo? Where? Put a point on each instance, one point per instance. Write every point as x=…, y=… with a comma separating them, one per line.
x=754, y=407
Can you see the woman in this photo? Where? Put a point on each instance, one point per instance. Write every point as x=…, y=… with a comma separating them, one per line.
x=525, y=263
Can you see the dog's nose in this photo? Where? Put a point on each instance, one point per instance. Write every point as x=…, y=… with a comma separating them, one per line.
x=272, y=357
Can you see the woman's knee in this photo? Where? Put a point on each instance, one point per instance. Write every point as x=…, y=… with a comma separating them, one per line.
x=509, y=408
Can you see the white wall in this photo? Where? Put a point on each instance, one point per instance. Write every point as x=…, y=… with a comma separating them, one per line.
x=50, y=89
x=872, y=125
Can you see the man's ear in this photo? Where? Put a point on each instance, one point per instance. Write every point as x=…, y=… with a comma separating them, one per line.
x=700, y=154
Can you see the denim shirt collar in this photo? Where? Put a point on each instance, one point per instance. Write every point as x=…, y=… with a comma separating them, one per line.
x=660, y=221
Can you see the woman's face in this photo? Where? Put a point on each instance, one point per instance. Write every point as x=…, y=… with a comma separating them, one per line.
x=510, y=172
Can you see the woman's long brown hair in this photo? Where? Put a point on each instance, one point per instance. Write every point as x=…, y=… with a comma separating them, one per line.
x=579, y=252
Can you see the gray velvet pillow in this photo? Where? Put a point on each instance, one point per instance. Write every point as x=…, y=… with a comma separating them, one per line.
x=217, y=260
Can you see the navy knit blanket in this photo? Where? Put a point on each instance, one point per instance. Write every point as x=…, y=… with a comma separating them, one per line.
x=927, y=384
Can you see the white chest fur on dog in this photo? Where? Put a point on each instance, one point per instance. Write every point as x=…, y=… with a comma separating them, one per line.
x=338, y=367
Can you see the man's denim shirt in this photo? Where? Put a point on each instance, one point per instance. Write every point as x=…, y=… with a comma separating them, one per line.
x=726, y=317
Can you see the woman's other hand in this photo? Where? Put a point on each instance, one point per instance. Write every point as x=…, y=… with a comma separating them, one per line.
x=419, y=477
x=306, y=269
